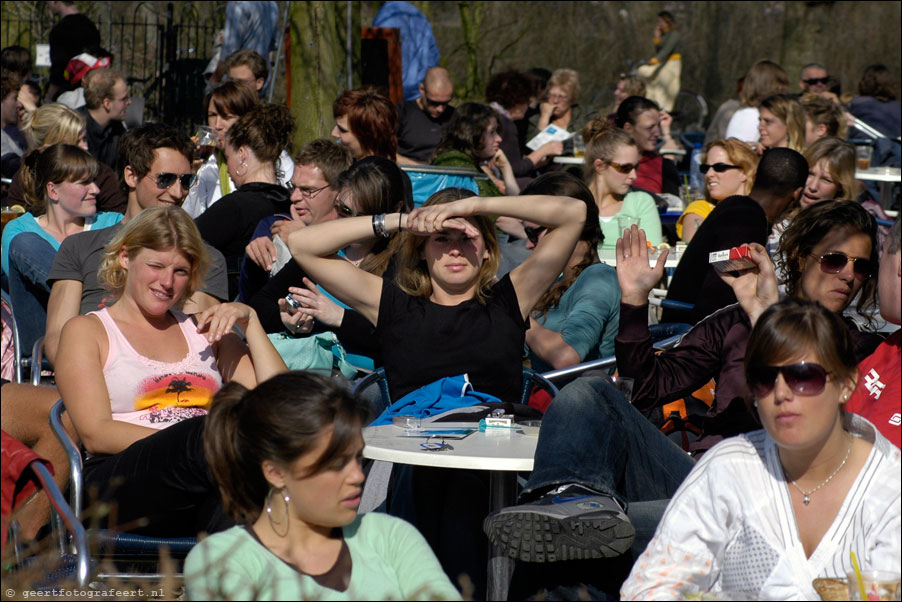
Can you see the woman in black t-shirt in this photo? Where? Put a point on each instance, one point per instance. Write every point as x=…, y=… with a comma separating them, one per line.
x=442, y=315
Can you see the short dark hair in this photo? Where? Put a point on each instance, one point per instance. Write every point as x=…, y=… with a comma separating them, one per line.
x=466, y=129
x=16, y=59
x=508, y=89
x=330, y=157
x=372, y=118
x=250, y=59
x=280, y=420
x=231, y=97
x=266, y=130
x=780, y=172
x=630, y=109
x=137, y=148
x=877, y=81
x=9, y=83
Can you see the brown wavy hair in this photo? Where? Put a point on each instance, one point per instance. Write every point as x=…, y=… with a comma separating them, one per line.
x=413, y=275
x=763, y=79
x=372, y=118
x=57, y=163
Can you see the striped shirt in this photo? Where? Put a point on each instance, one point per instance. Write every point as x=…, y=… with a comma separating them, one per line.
x=730, y=527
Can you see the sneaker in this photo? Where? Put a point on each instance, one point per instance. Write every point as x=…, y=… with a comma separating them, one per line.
x=570, y=522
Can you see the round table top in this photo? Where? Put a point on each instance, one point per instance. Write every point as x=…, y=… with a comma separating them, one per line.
x=497, y=449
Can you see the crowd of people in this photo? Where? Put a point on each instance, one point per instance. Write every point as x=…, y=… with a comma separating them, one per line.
x=182, y=291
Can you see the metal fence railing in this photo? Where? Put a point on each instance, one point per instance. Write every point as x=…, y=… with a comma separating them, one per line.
x=162, y=51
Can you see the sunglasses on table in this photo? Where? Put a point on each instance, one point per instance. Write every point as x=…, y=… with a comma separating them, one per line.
x=816, y=80
x=804, y=378
x=164, y=181
x=533, y=233
x=624, y=168
x=343, y=210
x=717, y=167
x=835, y=262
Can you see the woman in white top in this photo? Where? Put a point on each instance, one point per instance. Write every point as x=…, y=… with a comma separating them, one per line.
x=136, y=378
x=764, y=514
x=223, y=106
x=612, y=160
x=763, y=79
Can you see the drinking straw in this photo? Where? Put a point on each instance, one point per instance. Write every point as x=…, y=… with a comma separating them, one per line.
x=855, y=566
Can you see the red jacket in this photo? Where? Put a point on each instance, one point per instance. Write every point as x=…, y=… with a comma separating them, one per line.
x=877, y=396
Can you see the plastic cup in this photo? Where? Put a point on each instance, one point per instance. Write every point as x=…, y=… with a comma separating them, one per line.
x=863, y=156
x=878, y=585
x=206, y=142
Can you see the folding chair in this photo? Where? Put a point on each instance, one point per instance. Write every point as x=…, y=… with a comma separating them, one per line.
x=123, y=549
x=23, y=365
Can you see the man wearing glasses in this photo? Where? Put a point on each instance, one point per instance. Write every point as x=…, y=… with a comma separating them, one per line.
x=106, y=102
x=421, y=121
x=154, y=169
x=814, y=78
x=314, y=189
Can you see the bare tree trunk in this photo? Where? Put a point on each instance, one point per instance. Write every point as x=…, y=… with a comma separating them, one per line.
x=804, y=39
x=317, y=63
x=471, y=14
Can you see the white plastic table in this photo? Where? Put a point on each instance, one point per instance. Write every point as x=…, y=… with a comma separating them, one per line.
x=880, y=174
x=503, y=452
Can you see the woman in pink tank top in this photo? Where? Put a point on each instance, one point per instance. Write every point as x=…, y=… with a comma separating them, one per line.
x=136, y=378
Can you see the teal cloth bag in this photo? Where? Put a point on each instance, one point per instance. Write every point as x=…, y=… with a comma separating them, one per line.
x=320, y=353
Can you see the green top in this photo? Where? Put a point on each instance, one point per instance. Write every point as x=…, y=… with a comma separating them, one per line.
x=635, y=204
x=390, y=560
x=455, y=158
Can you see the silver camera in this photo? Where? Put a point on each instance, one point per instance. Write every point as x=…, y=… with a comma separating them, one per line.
x=292, y=302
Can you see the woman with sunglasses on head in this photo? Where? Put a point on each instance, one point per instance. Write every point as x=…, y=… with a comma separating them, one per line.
x=59, y=185
x=612, y=160
x=764, y=514
x=137, y=378
x=287, y=457
x=576, y=319
x=253, y=146
x=223, y=106
x=728, y=167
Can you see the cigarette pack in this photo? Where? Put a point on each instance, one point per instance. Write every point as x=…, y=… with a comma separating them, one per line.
x=730, y=260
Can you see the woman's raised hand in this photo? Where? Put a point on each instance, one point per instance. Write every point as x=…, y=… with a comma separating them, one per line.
x=635, y=276
x=755, y=288
x=218, y=321
x=445, y=216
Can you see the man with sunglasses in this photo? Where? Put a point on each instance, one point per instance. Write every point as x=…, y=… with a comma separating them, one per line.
x=736, y=220
x=814, y=78
x=154, y=169
x=421, y=121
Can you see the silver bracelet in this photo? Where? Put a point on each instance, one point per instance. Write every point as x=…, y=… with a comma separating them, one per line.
x=379, y=226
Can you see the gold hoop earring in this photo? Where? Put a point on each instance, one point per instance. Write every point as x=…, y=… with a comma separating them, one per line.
x=244, y=165
x=284, y=520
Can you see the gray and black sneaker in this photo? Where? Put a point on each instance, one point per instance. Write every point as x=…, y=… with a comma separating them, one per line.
x=570, y=522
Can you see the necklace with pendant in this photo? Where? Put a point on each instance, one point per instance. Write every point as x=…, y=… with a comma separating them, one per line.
x=806, y=495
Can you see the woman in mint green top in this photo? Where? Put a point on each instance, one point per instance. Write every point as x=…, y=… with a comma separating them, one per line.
x=287, y=457
x=611, y=162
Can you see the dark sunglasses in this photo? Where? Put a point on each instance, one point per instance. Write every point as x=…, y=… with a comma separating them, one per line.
x=437, y=103
x=164, y=181
x=342, y=209
x=624, y=168
x=816, y=80
x=717, y=167
x=532, y=234
x=835, y=262
x=805, y=378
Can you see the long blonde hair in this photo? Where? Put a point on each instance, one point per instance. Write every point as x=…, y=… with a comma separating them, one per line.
x=789, y=110
x=840, y=156
x=412, y=273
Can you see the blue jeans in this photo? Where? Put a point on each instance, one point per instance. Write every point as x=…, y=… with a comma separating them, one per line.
x=592, y=436
x=30, y=260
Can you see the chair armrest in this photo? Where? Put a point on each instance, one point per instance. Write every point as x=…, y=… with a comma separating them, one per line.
x=73, y=455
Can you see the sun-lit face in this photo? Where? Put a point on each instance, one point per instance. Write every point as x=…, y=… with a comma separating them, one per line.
x=119, y=101
x=813, y=73
x=615, y=180
x=491, y=141
x=772, y=130
x=312, y=198
x=834, y=291
x=243, y=73
x=220, y=122
x=76, y=199
x=820, y=185
x=329, y=498
x=646, y=130
x=801, y=422
x=148, y=193
x=454, y=259
x=342, y=131
x=156, y=280
x=560, y=99
x=726, y=183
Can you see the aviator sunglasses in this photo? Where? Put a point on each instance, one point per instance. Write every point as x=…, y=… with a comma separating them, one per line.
x=804, y=378
x=164, y=181
x=717, y=167
x=835, y=262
